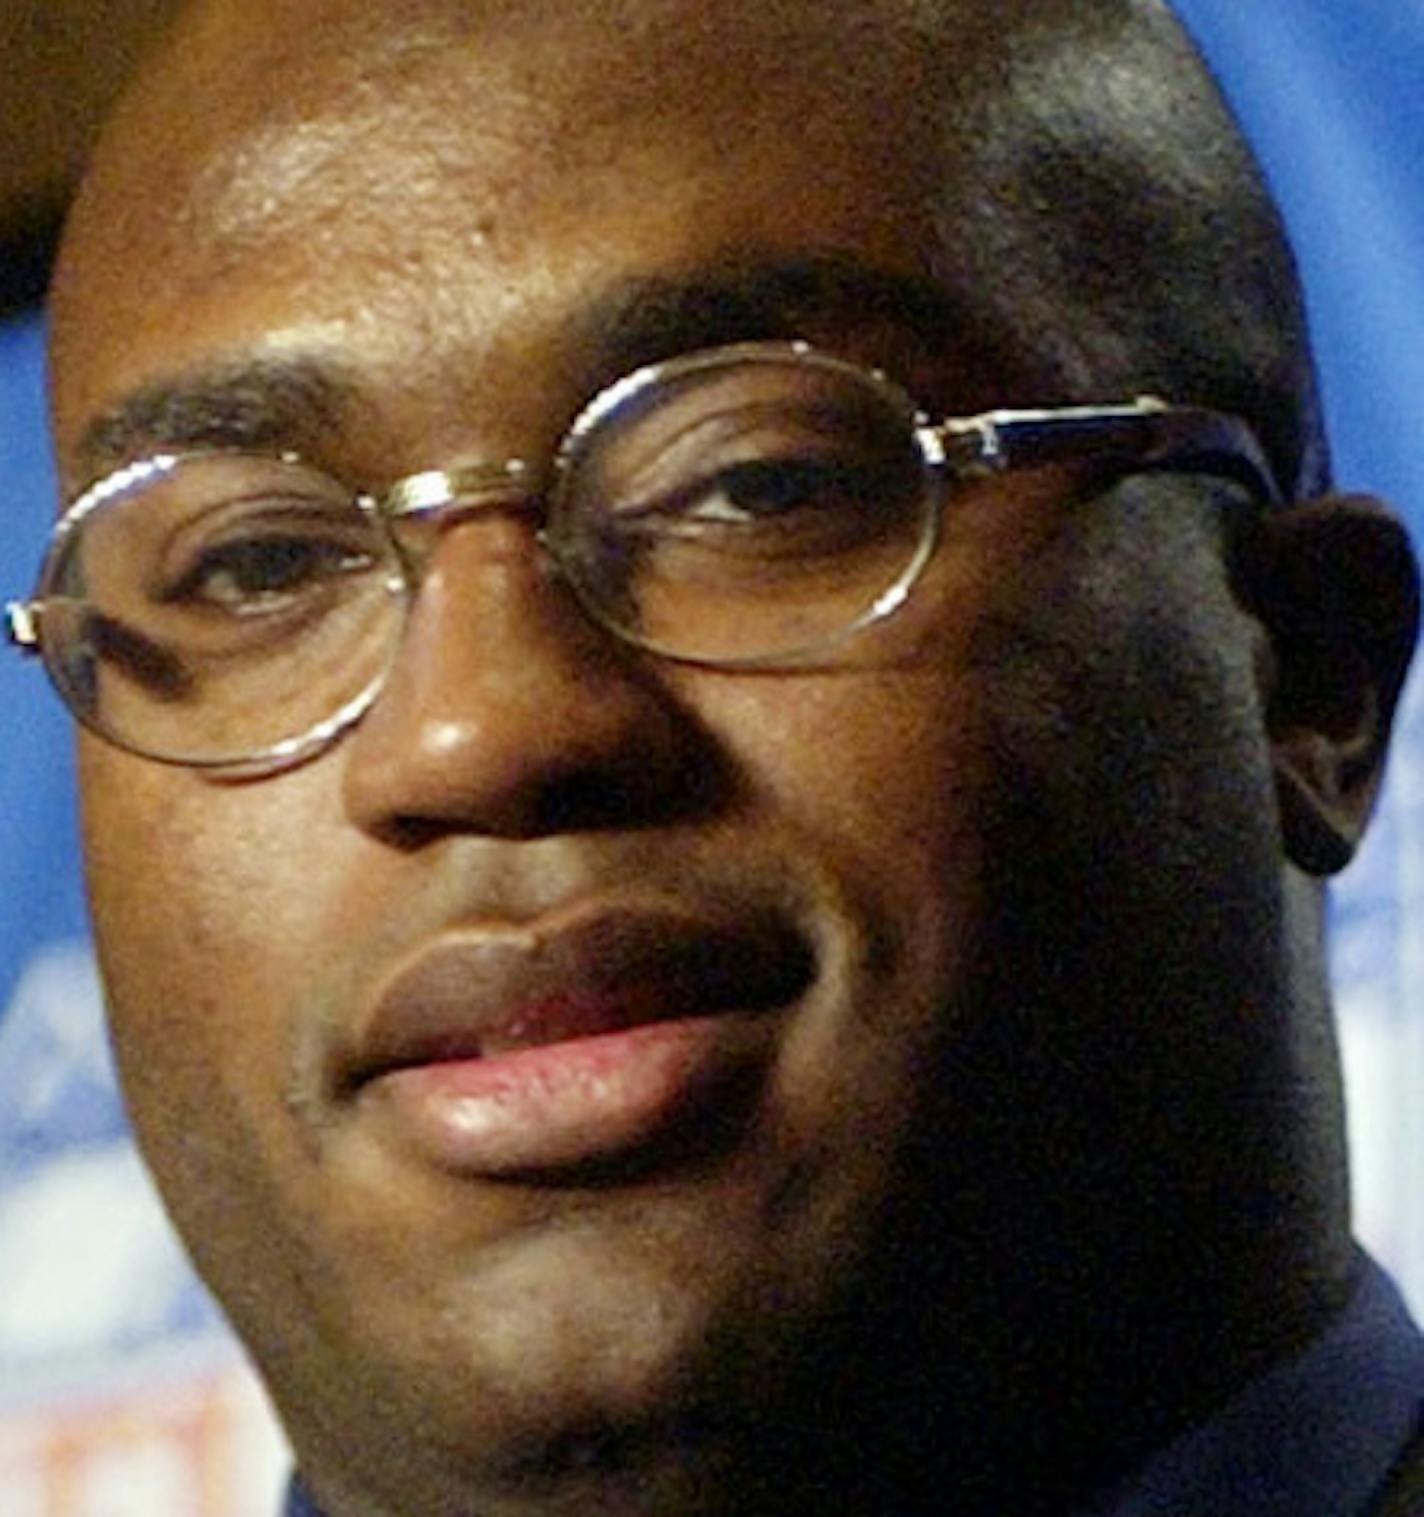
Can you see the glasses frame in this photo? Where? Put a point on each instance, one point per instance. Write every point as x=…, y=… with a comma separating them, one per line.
x=1144, y=435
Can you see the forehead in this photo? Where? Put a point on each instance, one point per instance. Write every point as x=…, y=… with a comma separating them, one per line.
x=433, y=191
x=437, y=177
x=507, y=107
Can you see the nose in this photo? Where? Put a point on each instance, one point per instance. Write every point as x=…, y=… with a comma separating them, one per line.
x=508, y=713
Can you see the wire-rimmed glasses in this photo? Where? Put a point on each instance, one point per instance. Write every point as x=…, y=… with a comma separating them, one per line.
x=746, y=507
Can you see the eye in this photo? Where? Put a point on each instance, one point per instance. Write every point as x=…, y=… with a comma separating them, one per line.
x=254, y=554
x=798, y=507
x=255, y=574
x=766, y=489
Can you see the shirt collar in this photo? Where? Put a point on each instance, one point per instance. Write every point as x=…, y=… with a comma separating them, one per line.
x=1315, y=1437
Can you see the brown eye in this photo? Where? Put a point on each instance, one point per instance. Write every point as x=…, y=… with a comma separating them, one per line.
x=252, y=575
x=771, y=488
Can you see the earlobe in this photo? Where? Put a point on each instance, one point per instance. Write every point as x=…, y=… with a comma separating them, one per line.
x=1336, y=584
x=1325, y=788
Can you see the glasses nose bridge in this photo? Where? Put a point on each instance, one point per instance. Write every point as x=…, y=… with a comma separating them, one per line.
x=445, y=497
x=417, y=512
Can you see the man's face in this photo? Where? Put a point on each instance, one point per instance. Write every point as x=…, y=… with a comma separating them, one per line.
x=887, y=926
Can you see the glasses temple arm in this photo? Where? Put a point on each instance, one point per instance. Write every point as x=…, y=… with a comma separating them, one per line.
x=1147, y=434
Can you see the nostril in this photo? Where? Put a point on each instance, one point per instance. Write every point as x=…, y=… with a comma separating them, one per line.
x=647, y=794
x=658, y=775
x=588, y=801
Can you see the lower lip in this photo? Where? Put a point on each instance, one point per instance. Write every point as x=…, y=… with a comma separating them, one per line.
x=555, y=1106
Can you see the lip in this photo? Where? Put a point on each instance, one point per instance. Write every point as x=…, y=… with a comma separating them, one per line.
x=501, y=1049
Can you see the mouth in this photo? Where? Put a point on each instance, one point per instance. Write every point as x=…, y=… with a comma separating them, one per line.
x=503, y=1050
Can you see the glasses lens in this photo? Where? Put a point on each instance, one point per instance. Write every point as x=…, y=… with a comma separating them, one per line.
x=744, y=508
x=220, y=608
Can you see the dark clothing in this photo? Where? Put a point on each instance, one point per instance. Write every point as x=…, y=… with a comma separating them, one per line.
x=1336, y=1431
x=299, y=1503
x=1318, y=1436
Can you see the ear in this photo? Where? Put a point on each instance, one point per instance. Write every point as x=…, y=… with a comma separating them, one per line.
x=1336, y=584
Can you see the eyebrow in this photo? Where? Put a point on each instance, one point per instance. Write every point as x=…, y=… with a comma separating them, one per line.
x=261, y=403
x=294, y=401
x=748, y=296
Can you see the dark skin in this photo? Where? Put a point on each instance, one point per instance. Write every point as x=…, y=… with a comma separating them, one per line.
x=1041, y=1160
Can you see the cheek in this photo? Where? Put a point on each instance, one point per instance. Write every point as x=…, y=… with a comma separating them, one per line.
x=873, y=785
x=202, y=897
x=879, y=764
x=881, y=768
x=209, y=903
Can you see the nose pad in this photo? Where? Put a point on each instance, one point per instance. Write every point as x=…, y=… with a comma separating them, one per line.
x=507, y=712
